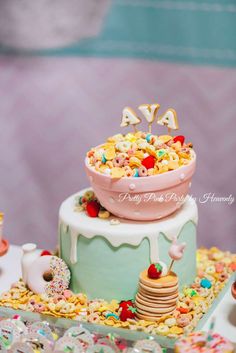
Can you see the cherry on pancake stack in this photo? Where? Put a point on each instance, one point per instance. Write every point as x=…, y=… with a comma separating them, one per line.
x=156, y=297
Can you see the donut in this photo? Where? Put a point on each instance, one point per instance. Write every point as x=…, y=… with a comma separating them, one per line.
x=197, y=342
x=48, y=274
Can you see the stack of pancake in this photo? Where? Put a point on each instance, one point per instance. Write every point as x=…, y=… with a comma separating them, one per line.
x=156, y=297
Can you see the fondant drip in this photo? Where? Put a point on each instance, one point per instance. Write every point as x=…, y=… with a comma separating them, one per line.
x=73, y=247
x=153, y=251
x=153, y=243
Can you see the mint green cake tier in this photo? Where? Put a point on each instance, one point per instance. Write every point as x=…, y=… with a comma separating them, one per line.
x=105, y=260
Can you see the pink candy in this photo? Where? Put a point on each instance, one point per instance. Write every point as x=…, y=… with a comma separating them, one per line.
x=219, y=267
x=58, y=297
x=118, y=162
x=183, y=320
x=142, y=171
x=67, y=293
x=39, y=307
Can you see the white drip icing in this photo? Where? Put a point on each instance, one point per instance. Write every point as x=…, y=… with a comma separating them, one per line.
x=127, y=232
x=73, y=246
x=154, y=251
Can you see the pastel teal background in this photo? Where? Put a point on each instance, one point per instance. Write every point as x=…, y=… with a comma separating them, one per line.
x=199, y=32
x=103, y=271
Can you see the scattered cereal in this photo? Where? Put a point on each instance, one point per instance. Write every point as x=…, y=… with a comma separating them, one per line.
x=193, y=301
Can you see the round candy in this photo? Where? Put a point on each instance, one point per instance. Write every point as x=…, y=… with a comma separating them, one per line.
x=190, y=292
x=148, y=137
x=205, y=283
x=48, y=274
x=118, y=162
x=142, y=171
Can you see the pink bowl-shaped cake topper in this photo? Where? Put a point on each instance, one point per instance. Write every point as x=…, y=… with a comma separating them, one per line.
x=143, y=198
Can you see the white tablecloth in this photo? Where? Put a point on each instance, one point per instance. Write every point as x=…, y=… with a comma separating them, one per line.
x=10, y=271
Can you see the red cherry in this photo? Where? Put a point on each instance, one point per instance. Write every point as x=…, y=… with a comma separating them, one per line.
x=45, y=253
x=179, y=138
x=155, y=271
x=149, y=162
x=93, y=208
x=127, y=310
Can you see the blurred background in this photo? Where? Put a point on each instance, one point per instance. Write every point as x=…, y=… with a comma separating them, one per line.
x=67, y=69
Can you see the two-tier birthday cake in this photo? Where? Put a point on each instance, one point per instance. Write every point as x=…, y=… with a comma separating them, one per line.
x=127, y=245
x=143, y=180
